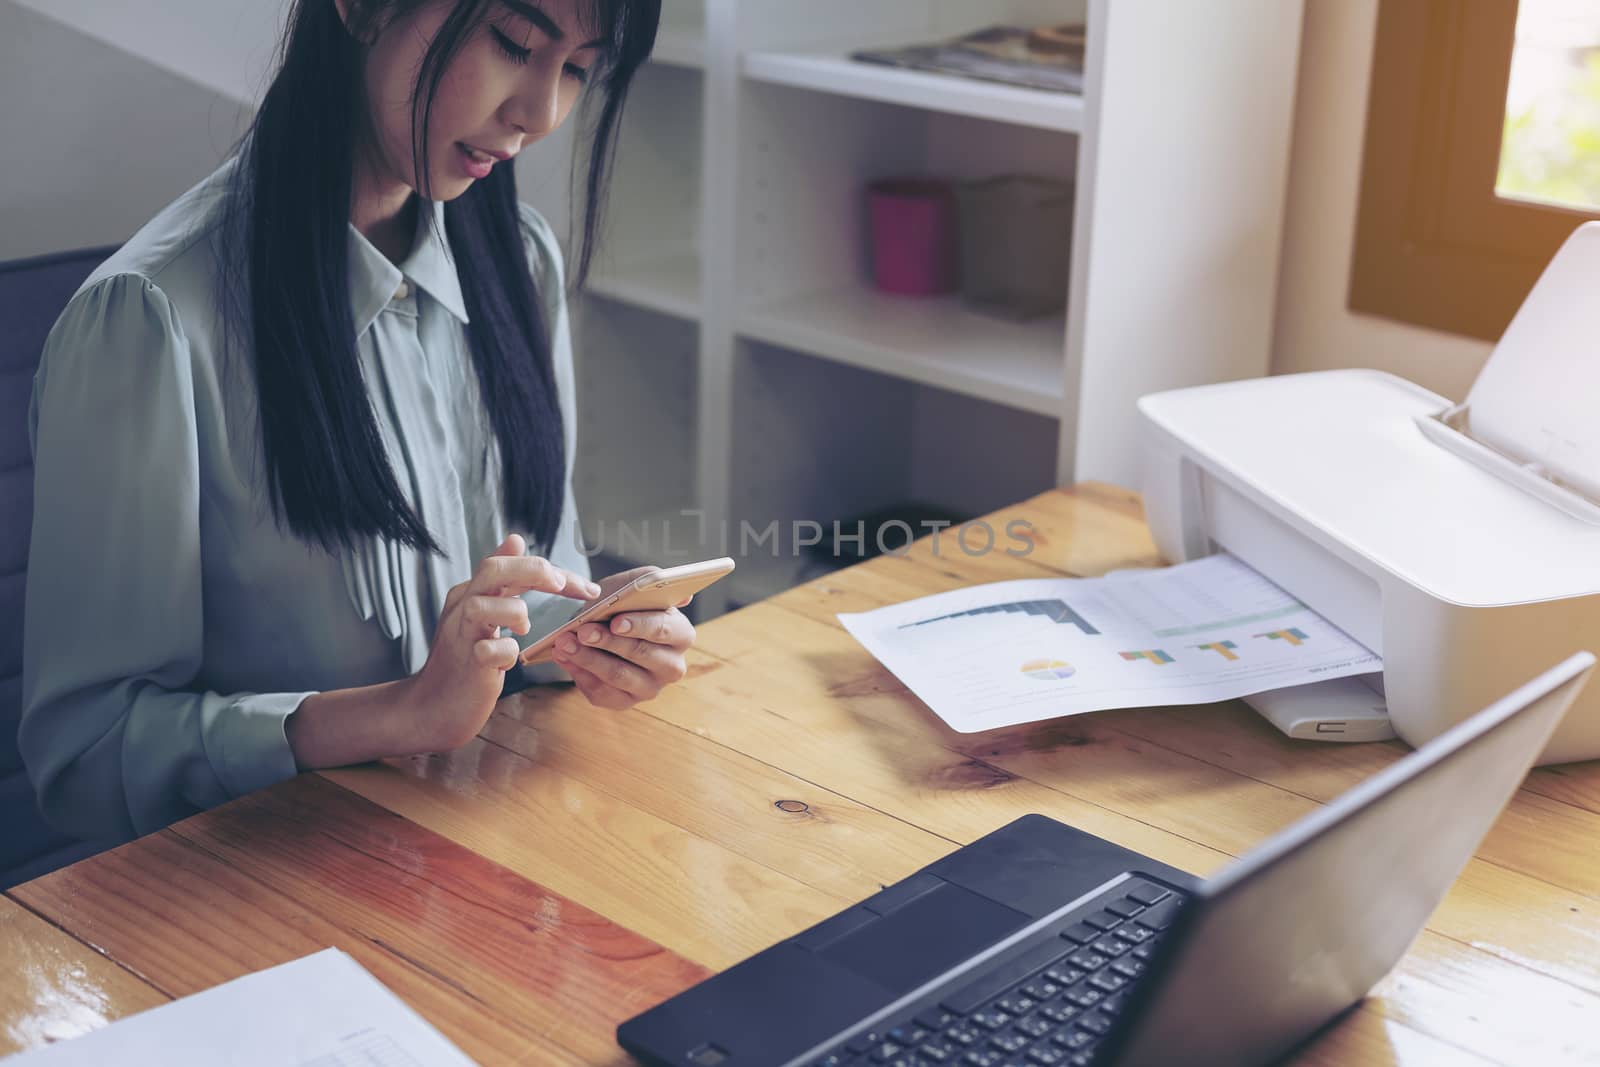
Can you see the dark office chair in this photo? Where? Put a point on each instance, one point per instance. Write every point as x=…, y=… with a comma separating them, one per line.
x=33, y=293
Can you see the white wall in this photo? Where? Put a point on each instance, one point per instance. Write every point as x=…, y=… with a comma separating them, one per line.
x=94, y=141
x=1314, y=328
x=225, y=45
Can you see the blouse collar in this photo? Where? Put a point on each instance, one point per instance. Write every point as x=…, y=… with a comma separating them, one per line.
x=375, y=281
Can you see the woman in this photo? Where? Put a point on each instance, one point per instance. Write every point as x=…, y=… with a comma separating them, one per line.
x=281, y=435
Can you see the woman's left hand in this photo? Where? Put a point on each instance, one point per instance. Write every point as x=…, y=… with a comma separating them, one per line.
x=631, y=657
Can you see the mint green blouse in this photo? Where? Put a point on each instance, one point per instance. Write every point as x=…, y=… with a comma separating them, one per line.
x=171, y=625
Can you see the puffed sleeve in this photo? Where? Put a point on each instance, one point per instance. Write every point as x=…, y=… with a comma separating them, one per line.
x=544, y=256
x=115, y=740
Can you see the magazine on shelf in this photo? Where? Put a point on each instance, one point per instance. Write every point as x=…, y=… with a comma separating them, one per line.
x=1048, y=58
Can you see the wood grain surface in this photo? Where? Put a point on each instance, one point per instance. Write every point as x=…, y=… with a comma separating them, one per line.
x=572, y=866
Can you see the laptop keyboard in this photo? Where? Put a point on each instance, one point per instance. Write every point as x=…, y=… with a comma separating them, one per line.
x=1048, y=1006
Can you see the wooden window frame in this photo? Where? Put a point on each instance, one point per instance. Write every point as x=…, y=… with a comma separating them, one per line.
x=1434, y=245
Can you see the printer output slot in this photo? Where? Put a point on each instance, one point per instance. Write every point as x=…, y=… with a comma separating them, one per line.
x=1307, y=570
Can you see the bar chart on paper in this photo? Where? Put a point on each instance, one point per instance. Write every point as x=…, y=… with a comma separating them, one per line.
x=1150, y=655
x=1056, y=611
x=1023, y=651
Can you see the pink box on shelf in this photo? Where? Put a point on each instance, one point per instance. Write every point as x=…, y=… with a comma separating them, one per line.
x=915, y=241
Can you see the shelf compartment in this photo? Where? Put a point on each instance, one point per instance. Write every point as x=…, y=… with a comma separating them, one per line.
x=935, y=341
x=637, y=382
x=836, y=73
x=817, y=442
x=667, y=281
x=648, y=253
x=680, y=46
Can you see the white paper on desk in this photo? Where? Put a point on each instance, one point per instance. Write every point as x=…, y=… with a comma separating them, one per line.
x=323, y=1010
x=1038, y=648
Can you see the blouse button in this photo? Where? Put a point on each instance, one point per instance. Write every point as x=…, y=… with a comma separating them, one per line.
x=402, y=292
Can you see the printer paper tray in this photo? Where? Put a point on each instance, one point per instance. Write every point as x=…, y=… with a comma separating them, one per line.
x=1442, y=431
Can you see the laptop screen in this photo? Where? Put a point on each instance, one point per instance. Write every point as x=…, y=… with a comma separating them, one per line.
x=1302, y=927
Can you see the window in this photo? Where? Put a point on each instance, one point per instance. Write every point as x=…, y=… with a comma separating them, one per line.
x=1551, y=150
x=1482, y=154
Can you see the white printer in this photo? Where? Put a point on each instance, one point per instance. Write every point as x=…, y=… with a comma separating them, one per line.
x=1460, y=542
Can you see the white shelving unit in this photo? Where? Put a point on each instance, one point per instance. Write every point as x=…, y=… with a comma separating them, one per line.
x=668, y=282
x=830, y=72
x=736, y=367
x=933, y=341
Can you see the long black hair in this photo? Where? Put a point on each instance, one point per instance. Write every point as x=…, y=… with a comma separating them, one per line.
x=287, y=215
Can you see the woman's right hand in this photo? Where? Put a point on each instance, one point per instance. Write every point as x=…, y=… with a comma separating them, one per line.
x=453, y=695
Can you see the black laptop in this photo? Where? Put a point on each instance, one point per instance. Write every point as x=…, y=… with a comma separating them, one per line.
x=1040, y=945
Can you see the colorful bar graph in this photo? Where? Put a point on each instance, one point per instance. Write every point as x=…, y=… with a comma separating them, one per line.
x=1154, y=655
x=1226, y=648
x=1294, y=635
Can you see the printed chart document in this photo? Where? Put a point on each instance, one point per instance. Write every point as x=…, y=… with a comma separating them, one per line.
x=323, y=1010
x=1023, y=651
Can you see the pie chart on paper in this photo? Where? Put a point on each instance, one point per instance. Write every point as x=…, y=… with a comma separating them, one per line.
x=1048, y=670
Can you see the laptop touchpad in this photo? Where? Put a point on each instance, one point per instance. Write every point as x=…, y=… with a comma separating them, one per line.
x=927, y=936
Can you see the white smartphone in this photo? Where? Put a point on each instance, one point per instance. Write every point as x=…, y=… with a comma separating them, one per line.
x=655, y=591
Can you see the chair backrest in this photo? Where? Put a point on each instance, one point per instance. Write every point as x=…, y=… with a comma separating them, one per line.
x=33, y=293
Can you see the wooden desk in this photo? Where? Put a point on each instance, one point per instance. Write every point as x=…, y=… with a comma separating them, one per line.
x=572, y=866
